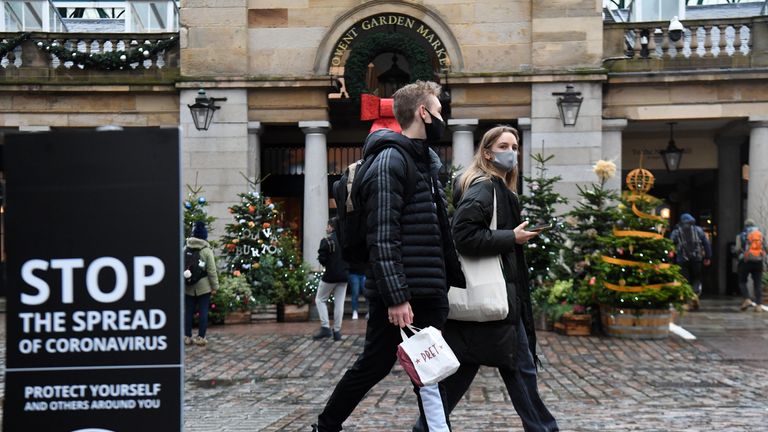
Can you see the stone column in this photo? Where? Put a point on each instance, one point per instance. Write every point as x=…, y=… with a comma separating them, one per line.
x=315, y=188
x=729, y=216
x=463, y=141
x=612, y=129
x=254, y=154
x=524, y=126
x=757, y=194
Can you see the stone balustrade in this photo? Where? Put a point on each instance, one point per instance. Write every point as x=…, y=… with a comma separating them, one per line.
x=38, y=57
x=735, y=42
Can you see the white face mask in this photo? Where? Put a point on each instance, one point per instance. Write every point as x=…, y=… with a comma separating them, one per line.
x=505, y=160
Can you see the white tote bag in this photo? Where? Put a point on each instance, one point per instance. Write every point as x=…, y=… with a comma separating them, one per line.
x=425, y=356
x=485, y=298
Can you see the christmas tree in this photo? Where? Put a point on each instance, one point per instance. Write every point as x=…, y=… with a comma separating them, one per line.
x=635, y=270
x=195, y=210
x=543, y=251
x=258, y=247
x=592, y=217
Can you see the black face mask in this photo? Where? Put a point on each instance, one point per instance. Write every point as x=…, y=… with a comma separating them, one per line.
x=435, y=129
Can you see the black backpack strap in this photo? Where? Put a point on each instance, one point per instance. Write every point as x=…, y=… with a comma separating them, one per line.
x=411, y=172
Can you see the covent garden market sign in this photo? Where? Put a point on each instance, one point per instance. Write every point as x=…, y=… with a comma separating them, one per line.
x=390, y=23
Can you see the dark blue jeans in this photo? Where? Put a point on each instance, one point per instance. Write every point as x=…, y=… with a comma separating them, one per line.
x=521, y=386
x=755, y=269
x=356, y=283
x=190, y=304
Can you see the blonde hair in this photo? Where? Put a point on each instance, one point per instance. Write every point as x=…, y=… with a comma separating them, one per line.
x=408, y=98
x=482, y=168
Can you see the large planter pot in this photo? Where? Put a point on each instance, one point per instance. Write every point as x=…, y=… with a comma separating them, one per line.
x=575, y=325
x=635, y=323
x=541, y=321
x=292, y=313
x=264, y=313
x=237, y=317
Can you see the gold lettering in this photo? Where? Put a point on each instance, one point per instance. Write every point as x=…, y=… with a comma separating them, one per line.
x=392, y=19
x=422, y=30
x=400, y=20
x=382, y=20
x=409, y=22
x=436, y=44
x=366, y=25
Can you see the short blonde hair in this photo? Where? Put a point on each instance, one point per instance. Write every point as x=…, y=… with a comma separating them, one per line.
x=482, y=167
x=408, y=98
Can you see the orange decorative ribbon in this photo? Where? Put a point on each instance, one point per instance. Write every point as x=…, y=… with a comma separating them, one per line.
x=638, y=213
x=639, y=288
x=628, y=263
x=631, y=233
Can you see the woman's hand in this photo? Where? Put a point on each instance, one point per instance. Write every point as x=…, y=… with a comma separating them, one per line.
x=521, y=235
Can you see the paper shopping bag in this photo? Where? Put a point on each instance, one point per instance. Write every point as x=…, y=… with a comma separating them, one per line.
x=425, y=356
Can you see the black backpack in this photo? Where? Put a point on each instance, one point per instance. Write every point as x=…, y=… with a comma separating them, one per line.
x=690, y=243
x=194, y=265
x=352, y=226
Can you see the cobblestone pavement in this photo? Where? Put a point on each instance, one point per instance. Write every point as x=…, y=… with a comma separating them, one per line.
x=273, y=377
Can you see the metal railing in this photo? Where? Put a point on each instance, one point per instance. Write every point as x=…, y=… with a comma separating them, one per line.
x=39, y=15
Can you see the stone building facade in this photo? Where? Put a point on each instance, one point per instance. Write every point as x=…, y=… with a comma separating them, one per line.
x=291, y=71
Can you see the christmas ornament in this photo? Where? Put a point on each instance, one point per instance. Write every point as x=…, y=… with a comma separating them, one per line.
x=201, y=200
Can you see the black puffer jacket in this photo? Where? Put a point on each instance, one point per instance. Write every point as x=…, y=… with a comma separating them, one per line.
x=409, y=243
x=492, y=343
x=329, y=255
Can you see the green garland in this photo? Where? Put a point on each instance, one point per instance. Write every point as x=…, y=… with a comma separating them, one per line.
x=114, y=60
x=6, y=47
x=367, y=49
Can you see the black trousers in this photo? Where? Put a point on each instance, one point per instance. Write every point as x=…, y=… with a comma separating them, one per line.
x=378, y=357
x=754, y=268
x=691, y=270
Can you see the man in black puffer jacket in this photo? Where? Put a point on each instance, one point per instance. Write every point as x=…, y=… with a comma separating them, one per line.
x=411, y=254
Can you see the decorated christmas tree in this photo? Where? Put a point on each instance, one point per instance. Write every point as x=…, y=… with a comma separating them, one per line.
x=543, y=253
x=259, y=248
x=635, y=269
x=592, y=217
x=195, y=210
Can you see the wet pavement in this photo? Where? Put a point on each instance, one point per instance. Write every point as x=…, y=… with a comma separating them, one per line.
x=274, y=377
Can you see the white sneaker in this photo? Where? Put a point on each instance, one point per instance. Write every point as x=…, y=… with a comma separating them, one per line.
x=354, y=315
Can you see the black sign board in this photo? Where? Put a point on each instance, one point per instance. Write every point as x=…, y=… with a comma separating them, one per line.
x=94, y=281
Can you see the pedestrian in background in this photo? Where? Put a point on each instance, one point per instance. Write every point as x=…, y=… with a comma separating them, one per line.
x=692, y=249
x=334, y=281
x=411, y=256
x=197, y=296
x=509, y=344
x=751, y=247
x=356, y=282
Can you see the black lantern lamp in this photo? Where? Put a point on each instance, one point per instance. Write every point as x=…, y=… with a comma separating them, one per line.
x=202, y=110
x=672, y=155
x=569, y=103
x=393, y=78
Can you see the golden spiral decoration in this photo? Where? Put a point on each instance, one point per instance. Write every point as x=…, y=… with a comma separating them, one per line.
x=640, y=180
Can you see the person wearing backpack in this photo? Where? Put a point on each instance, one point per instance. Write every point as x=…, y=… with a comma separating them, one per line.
x=692, y=249
x=201, y=281
x=408, y=249
x=333, y=281
x=751, y=247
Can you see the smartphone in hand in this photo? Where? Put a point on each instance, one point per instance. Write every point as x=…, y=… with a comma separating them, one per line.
x=539, y=228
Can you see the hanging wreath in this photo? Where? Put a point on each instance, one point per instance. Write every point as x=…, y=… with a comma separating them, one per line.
x=6, y=47
x=112, y=60
x=367, y=49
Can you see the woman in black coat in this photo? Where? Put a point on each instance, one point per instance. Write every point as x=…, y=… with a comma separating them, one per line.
x=508, y=344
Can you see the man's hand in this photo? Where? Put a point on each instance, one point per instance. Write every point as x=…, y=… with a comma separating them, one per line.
x=400, y=315
x=521, y=235
x=707, y=262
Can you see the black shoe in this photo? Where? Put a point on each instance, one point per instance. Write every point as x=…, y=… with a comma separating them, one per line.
x=336, y=335
x=323, y=333
x=314, y=428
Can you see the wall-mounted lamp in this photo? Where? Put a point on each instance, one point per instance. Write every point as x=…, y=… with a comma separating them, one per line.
x=675, y=30
x=202, y=110
x=569, y=103
x=672, y=155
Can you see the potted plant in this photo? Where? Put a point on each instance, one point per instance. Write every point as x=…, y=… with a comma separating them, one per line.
x=233, y=301
x=570, y=311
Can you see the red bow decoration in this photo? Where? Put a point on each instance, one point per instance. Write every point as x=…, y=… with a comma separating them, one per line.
x=380, y=110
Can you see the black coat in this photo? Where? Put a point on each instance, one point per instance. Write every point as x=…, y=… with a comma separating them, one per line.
x=492, y=343
x=329, y=255
x=411, y=254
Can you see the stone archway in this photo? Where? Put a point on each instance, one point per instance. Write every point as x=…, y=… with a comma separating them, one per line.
x=344, y=32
